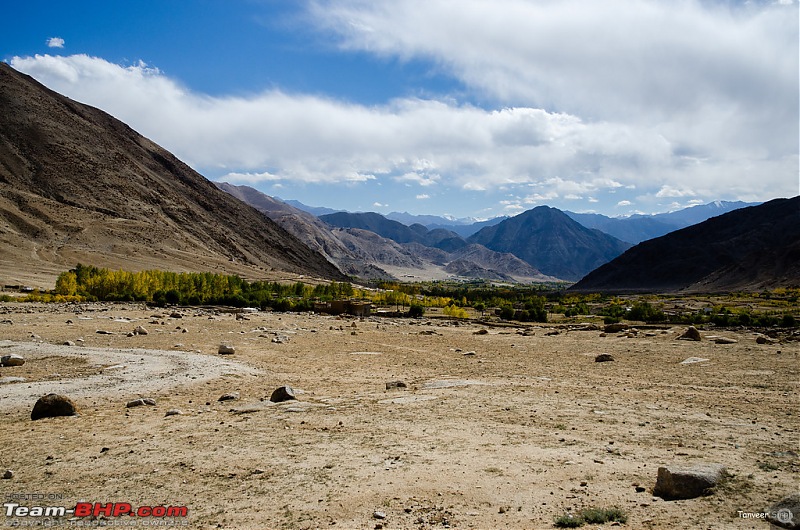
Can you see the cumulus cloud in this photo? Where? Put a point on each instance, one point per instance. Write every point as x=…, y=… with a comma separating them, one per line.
x=55, y=42
x=578, y=101
x=423, y=196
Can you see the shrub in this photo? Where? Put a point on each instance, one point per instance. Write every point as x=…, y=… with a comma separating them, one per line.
x=568, y=521
x=416, y=311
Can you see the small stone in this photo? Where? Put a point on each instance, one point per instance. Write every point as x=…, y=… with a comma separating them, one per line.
x=69, y=343
x=378, y=515
x=392, y=385
x=139, y=330
x=604, y=358
x=12, y=360
x=141, y=401
x=175, y=314
x=725, y=340
x=226, y=349
x=640, y=489
x=692, y=360
x=229, y=396
x=584, y=483
x=283, y=393
x=53, y=405
x=468, y=354
x=173, y=412
x=615, y=328
x=8, y=474
x=482, y=332
x=104, y=332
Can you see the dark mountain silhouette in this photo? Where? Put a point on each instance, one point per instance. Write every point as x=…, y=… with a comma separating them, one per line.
x=747, y=249
x=638, y=228
x=77, y=184
x=551, y=242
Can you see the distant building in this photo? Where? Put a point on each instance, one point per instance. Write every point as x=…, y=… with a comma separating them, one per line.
x=338, y=307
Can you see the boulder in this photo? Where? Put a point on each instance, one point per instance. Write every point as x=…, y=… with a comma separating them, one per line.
x=283, y=393
x=139, y=330
x=615, y=328
x=688, y=482
x=691, y=333
x=786, y=512
x=12, y=360
x=53, y=405
x=392, y=385
x=604, y=358
x=226, y=349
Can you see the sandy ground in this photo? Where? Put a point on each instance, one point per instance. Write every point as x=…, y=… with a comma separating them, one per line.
x=525, y=429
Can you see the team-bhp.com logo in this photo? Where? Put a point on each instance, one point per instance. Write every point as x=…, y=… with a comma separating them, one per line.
x=95, y=509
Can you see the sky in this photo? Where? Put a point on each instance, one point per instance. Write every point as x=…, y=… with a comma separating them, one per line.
x=464, y=108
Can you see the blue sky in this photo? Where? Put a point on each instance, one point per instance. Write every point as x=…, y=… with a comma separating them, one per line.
x=467, y=108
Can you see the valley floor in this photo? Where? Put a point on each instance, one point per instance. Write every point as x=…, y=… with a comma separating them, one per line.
x=507, y=428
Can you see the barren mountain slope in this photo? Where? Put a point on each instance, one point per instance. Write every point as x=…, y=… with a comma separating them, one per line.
x=78, y=185
x=748, y=249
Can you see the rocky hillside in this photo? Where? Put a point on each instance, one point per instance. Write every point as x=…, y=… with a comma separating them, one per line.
x=748, y=249
x=78, y=185
x=551, y=242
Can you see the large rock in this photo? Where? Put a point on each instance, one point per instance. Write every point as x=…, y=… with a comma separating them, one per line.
x=226, y=349
x=53, y=405
x=603, y=358
x=615, y=328
x=691, y=333
x=283, y=393
x=12, y=360
x=688, y=482
x=786, y=512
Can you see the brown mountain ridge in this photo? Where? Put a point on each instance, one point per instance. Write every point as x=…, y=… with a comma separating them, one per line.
x=77, y=185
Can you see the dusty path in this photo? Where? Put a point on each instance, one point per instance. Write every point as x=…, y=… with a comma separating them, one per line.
x=111, y=372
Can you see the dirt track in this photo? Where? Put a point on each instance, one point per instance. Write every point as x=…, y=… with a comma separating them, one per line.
x=523, y=430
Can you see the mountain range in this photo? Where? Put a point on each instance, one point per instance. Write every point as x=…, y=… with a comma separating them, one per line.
x=77, y=185
x=370, y=246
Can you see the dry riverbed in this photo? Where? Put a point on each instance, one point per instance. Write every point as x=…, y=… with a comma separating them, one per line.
x=496, y=427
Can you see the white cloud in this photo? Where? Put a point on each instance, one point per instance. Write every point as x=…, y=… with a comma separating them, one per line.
x=669, y=191
x=687, y=99
x=379, y=205
x=423, y=196
x=624, y=203
x=55, y=42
